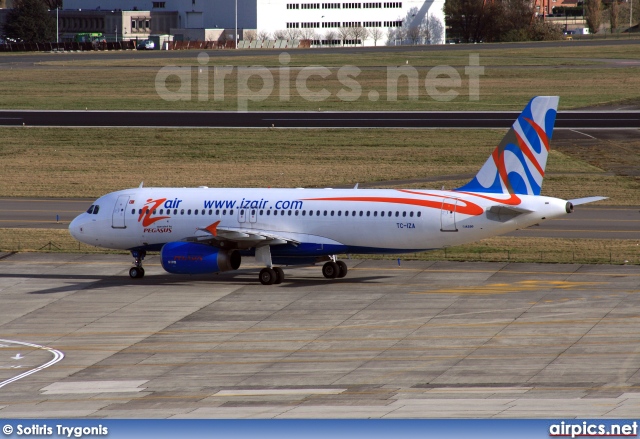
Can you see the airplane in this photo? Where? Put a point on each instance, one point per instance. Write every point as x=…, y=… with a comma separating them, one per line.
x=209, y=230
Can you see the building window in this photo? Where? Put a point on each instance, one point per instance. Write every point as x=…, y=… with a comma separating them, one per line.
x=134, y=24
x=159, y=5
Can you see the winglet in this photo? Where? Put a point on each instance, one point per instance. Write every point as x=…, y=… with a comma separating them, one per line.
x=518, y=162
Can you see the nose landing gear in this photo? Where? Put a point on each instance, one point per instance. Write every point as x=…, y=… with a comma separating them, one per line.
x=137, y=272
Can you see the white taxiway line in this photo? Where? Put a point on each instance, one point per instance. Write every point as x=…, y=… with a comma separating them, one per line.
x=57, y=356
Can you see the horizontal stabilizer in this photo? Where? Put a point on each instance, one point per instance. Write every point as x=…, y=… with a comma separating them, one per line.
x=579, y=201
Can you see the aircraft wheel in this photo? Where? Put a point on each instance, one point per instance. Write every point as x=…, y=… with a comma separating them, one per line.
x=136, y=272
x=330, y=270
x=267, y=276
x=343, y=269
x=279, y=275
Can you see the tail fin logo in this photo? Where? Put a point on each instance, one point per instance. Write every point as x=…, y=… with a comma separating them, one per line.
x=517, y=164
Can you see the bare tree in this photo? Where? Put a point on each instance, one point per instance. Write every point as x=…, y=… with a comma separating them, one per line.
x=391, y=36
x=594, y=15
x=292, y=33
x=264, y=35
x=436, y=30
x=412, y=34
x=308, y=33
x=53, y=4
x=330, y=35
x=376, y=34
x=280, y=34
x=344, y=33
x=614, y=15
x=249, y=35
x=359, y=33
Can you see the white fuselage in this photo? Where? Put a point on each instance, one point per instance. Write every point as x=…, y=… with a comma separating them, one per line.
x=337, y=220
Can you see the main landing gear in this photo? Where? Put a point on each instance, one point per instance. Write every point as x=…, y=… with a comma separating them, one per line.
x=270, y=276
x=334, y=269
x=137, y=272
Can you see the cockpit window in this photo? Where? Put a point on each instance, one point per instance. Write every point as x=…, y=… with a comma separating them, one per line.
x=96, y=209
x=90, y=209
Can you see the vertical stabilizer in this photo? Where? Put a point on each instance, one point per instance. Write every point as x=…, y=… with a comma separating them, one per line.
x=517, y=164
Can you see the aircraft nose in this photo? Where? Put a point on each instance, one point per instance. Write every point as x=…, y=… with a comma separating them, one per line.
x=76, y=228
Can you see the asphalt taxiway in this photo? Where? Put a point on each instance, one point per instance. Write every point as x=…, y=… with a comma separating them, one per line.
x=424, y=339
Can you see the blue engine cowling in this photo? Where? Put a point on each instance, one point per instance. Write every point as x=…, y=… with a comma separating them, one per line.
x=191, y=258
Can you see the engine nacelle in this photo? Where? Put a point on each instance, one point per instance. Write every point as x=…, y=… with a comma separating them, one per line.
x=191, y=258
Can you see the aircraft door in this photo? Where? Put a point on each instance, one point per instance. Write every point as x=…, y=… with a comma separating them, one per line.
x=242, y=215
x=253, y=215
x=119, y=211
x=448, y=215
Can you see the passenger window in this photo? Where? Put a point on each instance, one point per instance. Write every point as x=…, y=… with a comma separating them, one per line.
x=390, y=213
x=419, y=214
x=148, y=211
x=397, y=214
x=317, y=213
x=161, y=211
x=133, y=211
x=368, y=213
x=154, y=211
x=332, y=212
x=325, y=213
x=90, y=209
x=296, y=213
x=231, y=212
x=311, y=213
x=411, y=214
x=346, y=213
x=210, y=212
x=282, y=213
x=289, y=213
x=375, y=213
x=382, y=213
x=96, y=209
x=261, y=212
x=361, y=213
x=304, y=212
x=189, y=212
x=404, y=214
x=195, y=212
x=242, y=212
x=339, y=213
x=353, y=213
x=139, y=211
x=204, y=212
x=175, y=211
x=181, y=211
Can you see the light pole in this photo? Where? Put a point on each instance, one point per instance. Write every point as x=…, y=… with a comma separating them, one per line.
x=57, y=26
x=236, y=33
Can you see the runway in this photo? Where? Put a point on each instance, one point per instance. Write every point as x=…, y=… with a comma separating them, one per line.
x=426, y=339
x=309, y=119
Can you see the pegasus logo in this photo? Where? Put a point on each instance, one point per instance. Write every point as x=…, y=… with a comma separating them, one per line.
x=150, y=208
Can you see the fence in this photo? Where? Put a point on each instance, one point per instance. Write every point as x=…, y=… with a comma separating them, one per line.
x=67, y=46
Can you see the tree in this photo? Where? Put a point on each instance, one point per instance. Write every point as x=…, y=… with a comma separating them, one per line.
x=291, y=33
x=280, y=34
x=330, y=35
x=308, y=33
x=264, y=35
x=249, y=35
x=594, y=15
x=432, y=30
x=359, y=33
x=344, y=33
x=614, y=15
x=29, y=21
x=53, y=4
x=376, y=34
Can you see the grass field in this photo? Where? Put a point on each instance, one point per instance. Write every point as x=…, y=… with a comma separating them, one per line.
x=582, y=76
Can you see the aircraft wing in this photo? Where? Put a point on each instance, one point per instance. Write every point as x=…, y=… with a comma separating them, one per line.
x=245, y=238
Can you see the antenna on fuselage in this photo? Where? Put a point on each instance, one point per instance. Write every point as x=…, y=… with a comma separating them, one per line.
x=356, y=186
x=141, y=184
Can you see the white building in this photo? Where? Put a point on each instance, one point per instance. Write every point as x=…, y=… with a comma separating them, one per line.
x=315, y=20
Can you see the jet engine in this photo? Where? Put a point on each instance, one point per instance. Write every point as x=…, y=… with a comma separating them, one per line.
x=191, y=258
